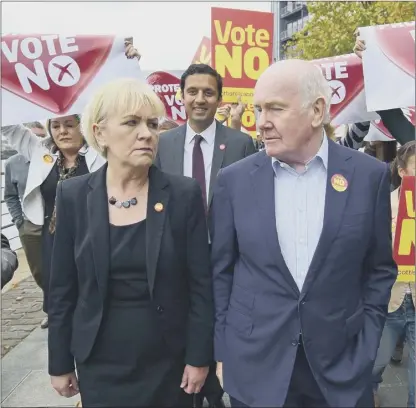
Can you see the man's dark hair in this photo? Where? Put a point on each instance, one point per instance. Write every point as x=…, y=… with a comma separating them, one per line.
x=196, y=69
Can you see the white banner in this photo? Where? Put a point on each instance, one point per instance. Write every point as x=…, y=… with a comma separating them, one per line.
x=389, y=65
x=47, y=76
x=378, y=132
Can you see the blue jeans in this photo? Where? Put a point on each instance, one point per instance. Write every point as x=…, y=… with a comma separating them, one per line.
x=400, y=322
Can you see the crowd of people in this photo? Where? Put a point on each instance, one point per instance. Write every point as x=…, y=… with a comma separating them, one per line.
x=177, y=262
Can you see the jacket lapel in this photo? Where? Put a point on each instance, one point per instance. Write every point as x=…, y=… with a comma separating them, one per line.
x=217, y=157
x=262, y=178
x=176, y=153
x=157, y=207
x=339, y=163
x=99, y=232
x=41, y=165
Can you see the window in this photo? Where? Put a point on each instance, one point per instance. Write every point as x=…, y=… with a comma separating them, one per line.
x=295, y=26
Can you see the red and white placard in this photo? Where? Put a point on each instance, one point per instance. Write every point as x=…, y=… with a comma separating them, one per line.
x=166, y=84
x=389, y=65
x=345, y=76
x=45, y=76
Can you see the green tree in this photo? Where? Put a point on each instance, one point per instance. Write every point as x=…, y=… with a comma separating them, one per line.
x=330, y=30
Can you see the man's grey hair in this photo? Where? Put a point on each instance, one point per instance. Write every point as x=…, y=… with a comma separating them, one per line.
x=313, y=86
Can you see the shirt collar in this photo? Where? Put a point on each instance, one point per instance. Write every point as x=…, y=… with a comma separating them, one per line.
x=323, y=151
x=322, y=154
x=84, y=150
x=208, y=134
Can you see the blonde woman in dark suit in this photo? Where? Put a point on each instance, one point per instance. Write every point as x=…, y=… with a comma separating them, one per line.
x=130, y=294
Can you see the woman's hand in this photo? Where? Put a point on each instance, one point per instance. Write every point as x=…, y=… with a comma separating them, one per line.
x=130, y=50
x=224, y=112
x=193, y=379
x=359, y=46
x=65, y=385
x=237, y=109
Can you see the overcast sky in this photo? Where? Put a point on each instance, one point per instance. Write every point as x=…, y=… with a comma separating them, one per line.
x=167, y=34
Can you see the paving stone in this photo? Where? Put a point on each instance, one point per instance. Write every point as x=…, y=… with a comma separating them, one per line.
x=36, y=391
x=12, y=380
x=23, y=327
x=25, y=382
x=9, y=335
x=20, y=317
x=31, y=354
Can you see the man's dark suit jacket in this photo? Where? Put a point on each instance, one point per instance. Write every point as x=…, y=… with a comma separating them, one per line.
x=170, y=155
x=342, y=306
x=178, y=268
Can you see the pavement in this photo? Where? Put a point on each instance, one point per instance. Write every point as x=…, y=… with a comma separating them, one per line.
x=24, y=376
x=21, y=307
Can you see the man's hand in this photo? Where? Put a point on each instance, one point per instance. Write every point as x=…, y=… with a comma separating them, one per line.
x=219, y=374
x=65, y=385
x=193, y=379
x=130, y=50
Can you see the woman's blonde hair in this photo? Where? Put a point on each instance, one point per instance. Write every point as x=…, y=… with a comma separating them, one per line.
x=123, y=96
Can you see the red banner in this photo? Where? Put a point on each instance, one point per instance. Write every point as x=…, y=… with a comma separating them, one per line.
x=404, y=241
x=167, y=86
x=203, y=53
x=348, y=105
x=51, y=75
x=51, y=72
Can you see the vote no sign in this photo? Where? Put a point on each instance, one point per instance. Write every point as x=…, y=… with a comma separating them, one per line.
x=404, y=234
x=241, y=49
x=45, y=76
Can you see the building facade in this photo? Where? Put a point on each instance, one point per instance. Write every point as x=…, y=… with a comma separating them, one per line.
x=290, y=17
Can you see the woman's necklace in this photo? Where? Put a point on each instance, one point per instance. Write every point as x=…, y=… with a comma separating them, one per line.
x=120, y=204
x=125, y=204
